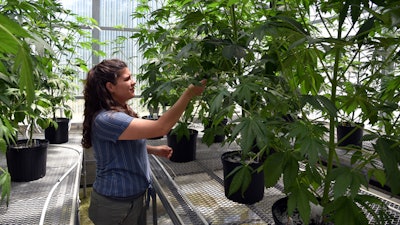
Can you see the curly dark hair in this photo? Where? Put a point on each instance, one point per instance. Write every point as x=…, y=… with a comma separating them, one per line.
x=97, y=97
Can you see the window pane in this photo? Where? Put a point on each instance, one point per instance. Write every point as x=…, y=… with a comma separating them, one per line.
x=116, y=12
x=80, y=7
x=128, y=51
x=109, y=14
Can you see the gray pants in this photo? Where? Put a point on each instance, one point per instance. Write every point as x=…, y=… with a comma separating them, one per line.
x=106, y=211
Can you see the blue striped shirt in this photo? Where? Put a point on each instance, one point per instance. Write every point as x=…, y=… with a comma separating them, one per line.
x=123, y=168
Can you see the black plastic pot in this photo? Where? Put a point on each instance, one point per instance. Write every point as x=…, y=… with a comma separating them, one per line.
x=27, y=163
x=280, y=215
x=255, y=191
x=184, y=150
x=354, y=139
x=59, y=135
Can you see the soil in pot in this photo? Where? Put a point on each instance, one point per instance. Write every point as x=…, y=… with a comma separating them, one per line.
x=255, y=191
x=354, y=139
x=184, y=150
x=59, y=135
x=27, y=163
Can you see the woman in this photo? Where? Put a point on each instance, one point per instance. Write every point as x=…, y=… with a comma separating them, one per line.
x=118, y=136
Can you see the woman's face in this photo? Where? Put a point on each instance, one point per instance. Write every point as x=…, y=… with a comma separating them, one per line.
x=124, y=89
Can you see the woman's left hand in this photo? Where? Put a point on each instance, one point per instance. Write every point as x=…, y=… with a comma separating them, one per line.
x=160, y=150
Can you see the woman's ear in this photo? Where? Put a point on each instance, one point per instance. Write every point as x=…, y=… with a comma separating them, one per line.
x=110, y=87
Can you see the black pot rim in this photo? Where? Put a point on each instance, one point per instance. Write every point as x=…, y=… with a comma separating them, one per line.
x=20, y=141
x=191, y=131
x=350, y=124
x=61, y=119
x=227, y=154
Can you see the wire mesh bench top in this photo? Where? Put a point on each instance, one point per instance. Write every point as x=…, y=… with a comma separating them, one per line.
x=52, y=199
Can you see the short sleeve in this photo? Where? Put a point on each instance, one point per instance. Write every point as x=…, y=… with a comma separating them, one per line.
x=109, y=125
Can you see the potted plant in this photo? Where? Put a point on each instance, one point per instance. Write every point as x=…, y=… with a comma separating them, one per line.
x=243, y=181
x=27, y=28
x=219, y=42
x=60, y=89
x=218, y=130
x=10, y=33
x=350, y=27
x=21, y=113
x=31, y=103
x=164, y=83
x=183, y=140
x=27, y=157
x=246, y=48
x=351, y=98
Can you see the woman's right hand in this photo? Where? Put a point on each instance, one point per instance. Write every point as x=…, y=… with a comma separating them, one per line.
x=196, y=90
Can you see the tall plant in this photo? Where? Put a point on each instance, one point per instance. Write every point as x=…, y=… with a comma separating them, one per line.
x=329, y=35
x=217, y=40
x=31, y=35
x=266, y=60
x=224, y=42
x=15, y=48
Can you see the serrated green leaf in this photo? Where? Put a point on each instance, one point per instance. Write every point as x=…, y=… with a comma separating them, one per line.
x=342, y=182
x=343, y=14
x=347, y=212
x=390, y=156
x=312, y=148
x=3, y=145
x=379, y=176
x=365, y=28
x=299, y=199
x=294, y=24
x=218, y=100
x=5, y=184
x=355, y=12
x=192, y=18
x=240, y=181
x=24, y=66
x=357, y=180
x=273, y=168
x=290, y=170
x=329, y=106
x=355, y=157
x=8, y=30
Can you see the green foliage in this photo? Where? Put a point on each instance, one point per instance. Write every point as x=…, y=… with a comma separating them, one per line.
x=389, y=153
x=5, y=185
x=273, y=167
x=36, y=36
x=215, y=41
x=181, y=131
x=285, y=73
x=241, y=179
x=340, y=70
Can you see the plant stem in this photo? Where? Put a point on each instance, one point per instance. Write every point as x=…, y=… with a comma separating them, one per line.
x=235, y=41
x=332, y=121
